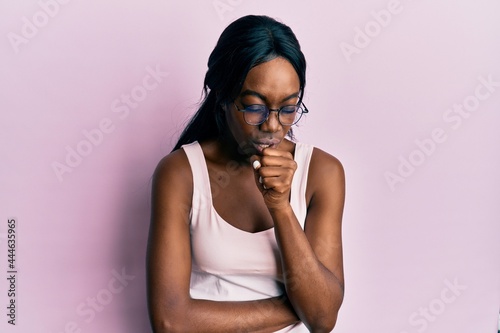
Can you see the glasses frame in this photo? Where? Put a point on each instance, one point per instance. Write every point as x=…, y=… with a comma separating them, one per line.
x=300, y=105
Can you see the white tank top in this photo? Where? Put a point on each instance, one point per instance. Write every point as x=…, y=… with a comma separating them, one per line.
x=230, y=264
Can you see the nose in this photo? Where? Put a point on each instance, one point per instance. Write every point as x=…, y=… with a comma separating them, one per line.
x=272, y=124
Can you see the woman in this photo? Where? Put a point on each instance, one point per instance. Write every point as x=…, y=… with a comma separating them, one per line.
x=246, y=224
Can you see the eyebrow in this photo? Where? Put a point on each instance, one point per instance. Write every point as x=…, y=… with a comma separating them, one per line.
x=249, y=92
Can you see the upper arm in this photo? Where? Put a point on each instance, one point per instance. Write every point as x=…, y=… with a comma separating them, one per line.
x=169, y=251
x=326, y=183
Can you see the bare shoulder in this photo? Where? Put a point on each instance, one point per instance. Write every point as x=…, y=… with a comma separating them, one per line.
x=325, y=193
x=174, y=163
x=326, y=176
x=325, y=167
x=173, y=172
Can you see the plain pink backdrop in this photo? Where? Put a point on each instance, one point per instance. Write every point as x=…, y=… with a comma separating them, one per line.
x=376, y=85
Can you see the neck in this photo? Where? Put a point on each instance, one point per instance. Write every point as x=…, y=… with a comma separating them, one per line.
x=232, y=151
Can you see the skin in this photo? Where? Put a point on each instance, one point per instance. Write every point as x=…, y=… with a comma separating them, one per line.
x=311, y=258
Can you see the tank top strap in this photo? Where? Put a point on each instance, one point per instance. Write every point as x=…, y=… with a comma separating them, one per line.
x=303, y=153
x=202, y=196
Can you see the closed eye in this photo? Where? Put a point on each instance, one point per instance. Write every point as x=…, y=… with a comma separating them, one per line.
x=255, y=108
x=289, y=109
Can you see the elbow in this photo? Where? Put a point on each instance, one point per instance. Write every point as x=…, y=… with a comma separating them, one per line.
x=160, y=326
x=168, y=317
x=168, y=322
x=167, y=326
x=323, y=324
x=323, y=319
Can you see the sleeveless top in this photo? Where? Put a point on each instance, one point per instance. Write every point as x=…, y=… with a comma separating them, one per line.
x=230, y=264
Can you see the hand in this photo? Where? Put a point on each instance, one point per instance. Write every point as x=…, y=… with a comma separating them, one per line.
x=273, y=175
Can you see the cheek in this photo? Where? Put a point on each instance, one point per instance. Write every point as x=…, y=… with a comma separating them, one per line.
x=239, y=128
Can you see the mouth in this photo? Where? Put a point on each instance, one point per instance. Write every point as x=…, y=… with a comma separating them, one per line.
x=263, y=144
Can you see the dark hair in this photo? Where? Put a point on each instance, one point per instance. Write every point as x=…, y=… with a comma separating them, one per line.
x=244, y=44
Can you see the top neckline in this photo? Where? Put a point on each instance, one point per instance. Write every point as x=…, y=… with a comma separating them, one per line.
x=221, y=220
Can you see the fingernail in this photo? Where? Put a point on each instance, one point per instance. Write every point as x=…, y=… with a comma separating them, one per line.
x=260, y=179
x=256, y=164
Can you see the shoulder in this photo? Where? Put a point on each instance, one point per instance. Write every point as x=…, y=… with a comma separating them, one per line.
x=325, y=172
x=324, y=162
x=173, y=171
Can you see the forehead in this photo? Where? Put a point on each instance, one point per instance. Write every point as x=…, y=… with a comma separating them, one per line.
x=273, y=79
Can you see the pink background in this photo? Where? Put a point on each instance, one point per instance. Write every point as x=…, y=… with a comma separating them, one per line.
x=404, y=245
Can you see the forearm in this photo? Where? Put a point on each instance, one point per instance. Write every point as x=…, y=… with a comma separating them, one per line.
x=267, y=315
x=315, y=292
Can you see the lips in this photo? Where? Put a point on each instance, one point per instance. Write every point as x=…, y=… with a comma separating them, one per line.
x=260, y=145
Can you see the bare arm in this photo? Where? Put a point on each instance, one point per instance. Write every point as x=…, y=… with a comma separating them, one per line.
x=169, y=267
x=311, y=258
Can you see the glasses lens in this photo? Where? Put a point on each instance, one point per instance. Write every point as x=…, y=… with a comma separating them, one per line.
x=255, y=114
x=289, y=115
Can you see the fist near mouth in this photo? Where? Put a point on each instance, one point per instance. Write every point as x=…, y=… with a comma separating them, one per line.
x=274, y=172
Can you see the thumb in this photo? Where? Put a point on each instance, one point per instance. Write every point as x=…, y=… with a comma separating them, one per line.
x=255, y=160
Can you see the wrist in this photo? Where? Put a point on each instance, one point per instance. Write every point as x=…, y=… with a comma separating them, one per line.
x=281, y=211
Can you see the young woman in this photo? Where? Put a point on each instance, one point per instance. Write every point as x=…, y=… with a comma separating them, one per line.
x=245, y=230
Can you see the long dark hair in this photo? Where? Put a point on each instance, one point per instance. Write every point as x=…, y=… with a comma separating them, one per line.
x=244, y=44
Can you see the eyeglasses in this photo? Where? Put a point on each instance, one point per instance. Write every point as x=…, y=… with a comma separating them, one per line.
x=257, y=114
